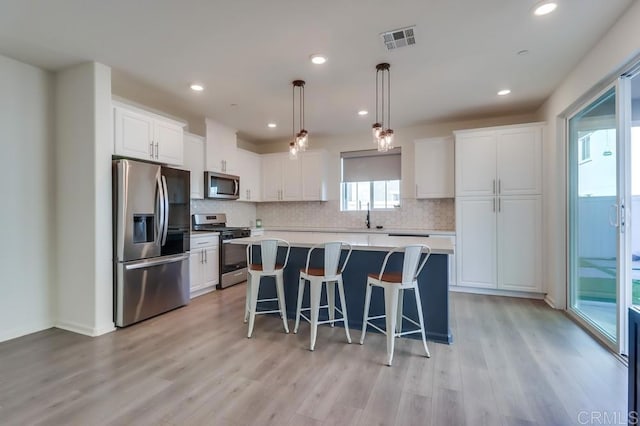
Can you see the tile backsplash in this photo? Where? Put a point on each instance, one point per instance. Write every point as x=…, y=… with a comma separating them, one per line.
x=238, y=213
x=438, y=214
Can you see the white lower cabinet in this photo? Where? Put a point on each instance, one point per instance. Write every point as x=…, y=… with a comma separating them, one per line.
x=476, y=242
x=498, y=242
x=520, y=243
x=204, y=263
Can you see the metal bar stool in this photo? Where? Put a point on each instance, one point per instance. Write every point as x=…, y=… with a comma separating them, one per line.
x=329, y=274
x=267, y=268
x=394, y=284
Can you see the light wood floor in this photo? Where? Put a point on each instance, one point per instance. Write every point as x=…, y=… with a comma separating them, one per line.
x=513, y=362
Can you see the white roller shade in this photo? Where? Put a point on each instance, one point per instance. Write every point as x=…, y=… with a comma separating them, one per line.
x=371, y=165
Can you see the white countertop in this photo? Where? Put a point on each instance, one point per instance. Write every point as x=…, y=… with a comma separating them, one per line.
x=360, y=230
x=359, y=241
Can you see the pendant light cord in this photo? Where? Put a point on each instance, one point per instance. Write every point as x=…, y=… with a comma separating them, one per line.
x=377, y=103
x=389, y=97
x=382, y=111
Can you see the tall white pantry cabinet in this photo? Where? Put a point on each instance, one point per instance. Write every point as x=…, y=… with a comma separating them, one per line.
x=499, y=207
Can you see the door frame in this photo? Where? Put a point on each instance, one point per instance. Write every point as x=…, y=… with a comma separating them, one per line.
x=591, y=327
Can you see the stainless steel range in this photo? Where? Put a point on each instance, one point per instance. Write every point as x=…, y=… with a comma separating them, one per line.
x=233, y=257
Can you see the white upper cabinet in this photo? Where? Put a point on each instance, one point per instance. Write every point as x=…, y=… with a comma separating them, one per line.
x=281, y=178
x=250, y=171
x=194, y=162
x=519, y=153
x=314, y=170
x=221, y=148
x=475, y=163
x=271, y=177
x=499, y=161
x=147, y=136
x=434, y=168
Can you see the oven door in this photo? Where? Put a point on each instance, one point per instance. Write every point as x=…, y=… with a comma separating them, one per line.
x=233, y=264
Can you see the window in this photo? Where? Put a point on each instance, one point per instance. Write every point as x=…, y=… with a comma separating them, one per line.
x=585, y=148
x=370, y=180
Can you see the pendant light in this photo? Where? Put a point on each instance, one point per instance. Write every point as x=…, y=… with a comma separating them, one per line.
x=300, y=141
x=383, y=138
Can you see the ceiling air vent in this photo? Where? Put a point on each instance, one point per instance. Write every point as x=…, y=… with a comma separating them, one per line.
x=399, y=38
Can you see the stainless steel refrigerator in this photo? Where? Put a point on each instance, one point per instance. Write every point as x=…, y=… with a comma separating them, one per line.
x=151, y=240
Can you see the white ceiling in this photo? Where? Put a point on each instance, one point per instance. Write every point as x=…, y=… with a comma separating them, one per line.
x=248, y=52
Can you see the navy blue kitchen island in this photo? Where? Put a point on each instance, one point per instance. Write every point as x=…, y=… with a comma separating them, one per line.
x=367, y=257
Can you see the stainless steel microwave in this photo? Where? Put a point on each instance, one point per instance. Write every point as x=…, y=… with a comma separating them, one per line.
x=220, y=185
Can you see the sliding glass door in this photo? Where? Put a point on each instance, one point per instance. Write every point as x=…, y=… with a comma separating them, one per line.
x=604, y=209
x=594, y=216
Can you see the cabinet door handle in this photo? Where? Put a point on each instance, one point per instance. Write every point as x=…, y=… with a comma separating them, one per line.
x=206, y=258
x=499, y=186
x=494, y=205
x=499, y=205
x=151, y=149
x=201, y=257
x=494, y=187
x=157, y=150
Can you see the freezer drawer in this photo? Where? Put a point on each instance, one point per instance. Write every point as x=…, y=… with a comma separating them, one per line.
x=146, y=288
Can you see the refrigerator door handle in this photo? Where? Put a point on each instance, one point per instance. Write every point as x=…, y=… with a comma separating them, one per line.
x=156, y=261
x=161, y=212
x=165, y=200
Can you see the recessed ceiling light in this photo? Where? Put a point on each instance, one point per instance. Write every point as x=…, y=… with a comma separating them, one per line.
x=504, y=92
x=272, y=125
x=544, y=7
x=363, y=112
x=197, y=87
x=318, y=59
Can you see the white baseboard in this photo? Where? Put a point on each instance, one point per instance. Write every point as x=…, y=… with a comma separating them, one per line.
x=23, y=331
x=202, y=291
x=83, y=329
x=496, y=292
x=550, y=302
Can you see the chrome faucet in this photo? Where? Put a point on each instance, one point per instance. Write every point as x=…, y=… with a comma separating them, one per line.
x=368, y=221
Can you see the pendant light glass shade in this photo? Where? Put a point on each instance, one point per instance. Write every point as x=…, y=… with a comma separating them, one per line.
x=293, y=151
x=383, y=137
x=300, y=141
x=376, y=129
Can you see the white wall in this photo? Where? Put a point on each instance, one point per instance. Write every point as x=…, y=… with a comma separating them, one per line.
x=27, y=214
x=620, y=45
x=83, y=157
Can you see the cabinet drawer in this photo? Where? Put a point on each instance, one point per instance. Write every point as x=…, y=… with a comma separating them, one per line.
x=201, y=241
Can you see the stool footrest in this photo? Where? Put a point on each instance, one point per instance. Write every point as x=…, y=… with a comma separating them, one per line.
x=411, y=321
x=275, y=299
x=377, y=328
x=277, y=311
x=407, y=332
x=322, y=322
